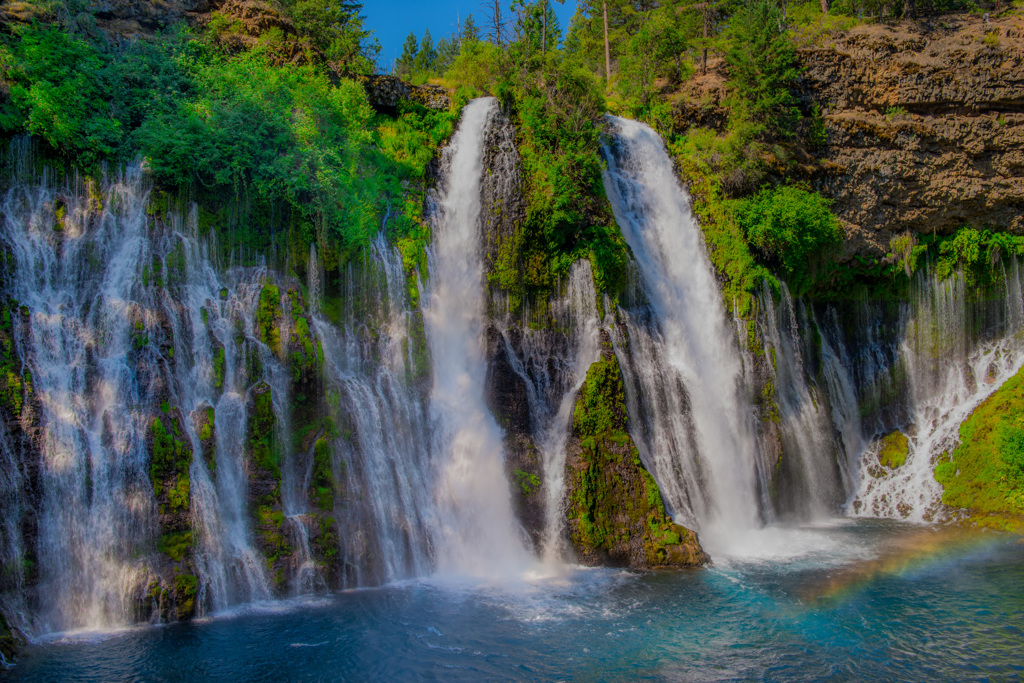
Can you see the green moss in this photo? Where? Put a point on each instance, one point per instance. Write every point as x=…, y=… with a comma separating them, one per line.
x=263, y=447
x=206, y=430
x=13, y=386
x=186, y=588
x=613, y=498
x=322, y=484
x=527, y=482
x=175, y=545
x=985, y=473
x=168, y=469
x=218, y=367
x=266, y=317
x=893, y=450
x=601, y=406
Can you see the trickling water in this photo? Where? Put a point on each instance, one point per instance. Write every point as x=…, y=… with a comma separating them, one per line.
x=477, y=531
x=120, y=316
x=956, y=353
x=680, y=358
x=552, y=362
x=812, y=485
x=382, y=455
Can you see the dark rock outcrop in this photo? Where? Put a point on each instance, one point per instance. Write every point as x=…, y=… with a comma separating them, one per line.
x=925, y=126
x=614, y=509
x=385, y=92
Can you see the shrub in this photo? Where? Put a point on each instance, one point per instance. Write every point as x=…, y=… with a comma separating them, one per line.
x=793, y=227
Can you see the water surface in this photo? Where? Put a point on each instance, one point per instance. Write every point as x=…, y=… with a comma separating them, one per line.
x=863, y=600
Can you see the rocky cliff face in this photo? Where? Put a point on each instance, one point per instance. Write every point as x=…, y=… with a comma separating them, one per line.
x=925, y=125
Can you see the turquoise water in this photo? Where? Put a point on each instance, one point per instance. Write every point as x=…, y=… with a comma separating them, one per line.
x=851, y=601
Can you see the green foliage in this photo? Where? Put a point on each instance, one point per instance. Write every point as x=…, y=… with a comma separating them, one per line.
x=335, y=27
x=527, y=482
x=985, y=473
x=59, y=92
x=477, y=66
x=702, y=157
x=793, y=227
x=763, y=67
x=567, y=214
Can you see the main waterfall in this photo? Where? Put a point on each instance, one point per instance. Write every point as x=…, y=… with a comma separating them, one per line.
x=478, y=533
x=682, y=365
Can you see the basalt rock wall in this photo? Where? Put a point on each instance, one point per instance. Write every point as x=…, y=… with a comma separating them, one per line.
x=925, y=127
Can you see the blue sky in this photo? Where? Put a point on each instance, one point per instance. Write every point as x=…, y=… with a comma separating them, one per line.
x=391, y=20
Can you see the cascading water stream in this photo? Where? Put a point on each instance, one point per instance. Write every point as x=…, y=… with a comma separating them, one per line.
x=954, y=358
x=680, y=358
x=119, y=317
x=382, y=454
x=815, y=481
x=477, y=532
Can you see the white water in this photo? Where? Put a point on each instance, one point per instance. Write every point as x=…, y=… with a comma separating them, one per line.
x=478, y=534
x=680, y=359
x=381, y=456
x=115, y=326
x=814, y=489
x=949, y=372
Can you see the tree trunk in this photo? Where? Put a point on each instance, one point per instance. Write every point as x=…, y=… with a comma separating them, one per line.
x=607, y=50
x=544, y=28
x=909, y=9
x=824, y=6
x=704, y=51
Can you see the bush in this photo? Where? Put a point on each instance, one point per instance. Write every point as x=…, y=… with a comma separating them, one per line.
x=60, y=92
x=793, y=227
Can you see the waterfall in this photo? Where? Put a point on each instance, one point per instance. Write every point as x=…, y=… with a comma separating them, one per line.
x=954, y=353
x=117, y=318
x=551, y=363
x=679, y=355
x=477, y=531
x=382, y=455
x=811, y=475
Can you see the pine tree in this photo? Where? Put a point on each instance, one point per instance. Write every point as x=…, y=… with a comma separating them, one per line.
x=447, y=51
x=763, y=66
x=407, y=62
x=469, y=32
x=427, y=55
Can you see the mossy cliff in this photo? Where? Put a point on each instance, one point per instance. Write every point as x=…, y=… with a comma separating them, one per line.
x=263, y=449
x=984, y=475
x=615, y=511
x=174, y=595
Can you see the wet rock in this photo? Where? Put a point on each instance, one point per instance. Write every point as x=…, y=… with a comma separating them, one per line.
x=614, y=511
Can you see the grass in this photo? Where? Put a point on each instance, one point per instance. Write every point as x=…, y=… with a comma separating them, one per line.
x=985, y=473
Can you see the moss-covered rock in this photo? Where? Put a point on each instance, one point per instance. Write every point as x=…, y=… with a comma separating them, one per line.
x=267, y=315
x=263, y=451
x=204, y=420
x=322, y=484
x=15, y=385
x=984, y=475
x=304, y=351
x=170, y=459
x=10, y=642
x=615, y=512
x=893, y=450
